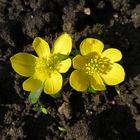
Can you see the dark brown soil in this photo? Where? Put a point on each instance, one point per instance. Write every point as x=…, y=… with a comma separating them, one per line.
x=106, y=116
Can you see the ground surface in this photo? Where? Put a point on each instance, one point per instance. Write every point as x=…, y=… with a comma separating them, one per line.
x=84, y=116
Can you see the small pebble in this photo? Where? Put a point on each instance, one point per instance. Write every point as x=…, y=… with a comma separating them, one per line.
x=87, y=11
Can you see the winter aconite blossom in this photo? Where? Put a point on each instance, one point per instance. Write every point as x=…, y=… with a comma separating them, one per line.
x=46, y=68
x=95, y=67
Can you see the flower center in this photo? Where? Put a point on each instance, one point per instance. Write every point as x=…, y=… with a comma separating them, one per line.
x=53, y=63
x=97, y=64
x=47, y=65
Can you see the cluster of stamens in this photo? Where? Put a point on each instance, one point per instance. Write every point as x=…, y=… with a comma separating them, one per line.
x=53, y=63
x=45, y=65
x=97, y=64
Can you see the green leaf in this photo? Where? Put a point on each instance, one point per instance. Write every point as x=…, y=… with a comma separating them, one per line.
x=91, y=90
x=36, y=108
x=34, y=95
x=62, y=57
x=61, y=129
x=118, y=90
x=75, y=51
x=44, y=110
x=57, y=95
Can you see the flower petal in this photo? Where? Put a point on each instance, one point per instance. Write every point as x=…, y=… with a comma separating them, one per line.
x=65, y=65
x=96, y=82
x=32, y=84
x=90, y=45
x=23, y=63
x=53, y=83
x=63, y=44
x=113, y=54
x=79, y=80
x=41, y=47
x=115, y=76
x=79, y=62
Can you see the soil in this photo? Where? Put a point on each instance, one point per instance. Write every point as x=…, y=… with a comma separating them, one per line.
x=105, y=116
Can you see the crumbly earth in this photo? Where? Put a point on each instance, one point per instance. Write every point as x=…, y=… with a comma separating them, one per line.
x=105, y=116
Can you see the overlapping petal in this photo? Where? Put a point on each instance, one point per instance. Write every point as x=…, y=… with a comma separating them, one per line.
x=96, y=82
x=41, y=47
x=63, y=44
x=79, y=62
x=90, y=45
x=32, y=83
x=79, y=80
x=53, y=83
x=64, y=65
x=115, y=76
x=23, y=63
x=113, y=54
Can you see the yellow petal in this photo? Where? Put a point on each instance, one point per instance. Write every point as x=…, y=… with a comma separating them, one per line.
x=24, y=63
x=113, y=54
x=32, y=84
x=90, y=45
x=79, y=80
x=65, y=65
x=53, y=83
x=96, y=82
x=79, y=62
x=41, y=47
x=115, y=76
x=63, y=44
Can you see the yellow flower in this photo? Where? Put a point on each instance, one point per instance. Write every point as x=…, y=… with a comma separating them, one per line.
x=94, y=67
x=46, y=68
